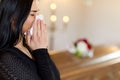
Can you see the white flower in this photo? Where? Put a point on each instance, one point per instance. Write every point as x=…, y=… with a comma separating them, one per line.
x=82, y=48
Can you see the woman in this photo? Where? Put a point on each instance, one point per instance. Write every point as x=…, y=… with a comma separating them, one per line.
x=23, y=57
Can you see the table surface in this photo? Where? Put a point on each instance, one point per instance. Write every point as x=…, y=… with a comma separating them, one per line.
x=68, y=64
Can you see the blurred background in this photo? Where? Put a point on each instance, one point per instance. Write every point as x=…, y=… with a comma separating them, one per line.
x=96, y=20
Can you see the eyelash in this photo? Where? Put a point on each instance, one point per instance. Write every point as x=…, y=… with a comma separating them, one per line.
x=32, y=14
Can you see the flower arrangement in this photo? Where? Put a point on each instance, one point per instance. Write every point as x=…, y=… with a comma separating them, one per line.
x=81, y=48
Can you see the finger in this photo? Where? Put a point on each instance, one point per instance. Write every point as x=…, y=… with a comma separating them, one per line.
x=39, y=28
x=44, y=32
x=35, y=25
x=42, y=27
x=45, y=28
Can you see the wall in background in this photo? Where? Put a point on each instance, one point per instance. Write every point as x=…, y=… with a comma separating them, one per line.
x=101, y=22
x=98, y=21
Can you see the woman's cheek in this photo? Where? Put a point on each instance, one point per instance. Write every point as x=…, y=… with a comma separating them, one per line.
x=27, y=25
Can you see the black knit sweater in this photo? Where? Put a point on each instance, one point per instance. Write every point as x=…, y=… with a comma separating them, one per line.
x=15, y=65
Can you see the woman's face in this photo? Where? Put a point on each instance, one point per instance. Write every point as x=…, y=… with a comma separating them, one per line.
x=31, y=17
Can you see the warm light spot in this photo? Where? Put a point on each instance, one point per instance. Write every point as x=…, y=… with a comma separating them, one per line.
x=66, y=19
x=53, y=6
x=53, y=18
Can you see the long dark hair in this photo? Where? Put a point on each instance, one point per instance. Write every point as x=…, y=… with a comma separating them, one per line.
x=13, y=14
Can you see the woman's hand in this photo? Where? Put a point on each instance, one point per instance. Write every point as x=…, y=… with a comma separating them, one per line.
x=39, y=39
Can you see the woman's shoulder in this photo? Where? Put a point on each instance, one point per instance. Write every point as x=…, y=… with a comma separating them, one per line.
x=13, y=54
x=6, y=53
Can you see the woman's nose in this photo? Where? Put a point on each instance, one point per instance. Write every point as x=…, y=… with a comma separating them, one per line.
x=38, y=12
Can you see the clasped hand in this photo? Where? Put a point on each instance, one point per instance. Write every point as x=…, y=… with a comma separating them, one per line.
x=39, y=39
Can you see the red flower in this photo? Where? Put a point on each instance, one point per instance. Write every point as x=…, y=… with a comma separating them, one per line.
x=84, y=40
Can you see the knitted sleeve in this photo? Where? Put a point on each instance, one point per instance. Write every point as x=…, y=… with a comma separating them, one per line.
x=46, y=67
x=13, y=68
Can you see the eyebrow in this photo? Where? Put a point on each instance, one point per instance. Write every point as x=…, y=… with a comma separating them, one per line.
x=35, y=10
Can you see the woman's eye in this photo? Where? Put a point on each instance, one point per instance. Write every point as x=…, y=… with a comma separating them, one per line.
x=32, y=14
